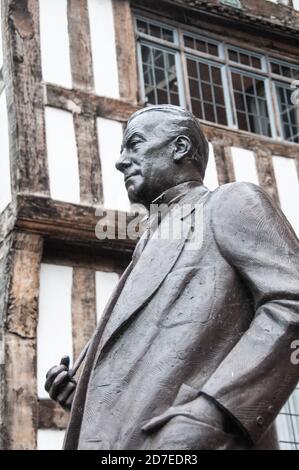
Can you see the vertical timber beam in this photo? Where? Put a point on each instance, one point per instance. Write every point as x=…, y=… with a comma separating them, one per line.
x=266, y=173
x=231, y=177
x=90, y=172
x=80, y=44
x=83, y=307
x=5, y=260
x=91, y=191
x=221, y=163
x=25, y=96
x=20, y=316
x=125, y=50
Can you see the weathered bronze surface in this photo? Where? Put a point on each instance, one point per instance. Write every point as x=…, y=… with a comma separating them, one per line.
x=194, y=349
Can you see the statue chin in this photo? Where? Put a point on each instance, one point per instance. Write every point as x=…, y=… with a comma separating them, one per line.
x=134, y=195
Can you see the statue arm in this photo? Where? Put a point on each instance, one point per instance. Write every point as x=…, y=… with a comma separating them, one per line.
x=258, y=375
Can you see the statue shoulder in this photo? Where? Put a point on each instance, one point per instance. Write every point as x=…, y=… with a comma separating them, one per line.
x=235, y=206
x=232, y=197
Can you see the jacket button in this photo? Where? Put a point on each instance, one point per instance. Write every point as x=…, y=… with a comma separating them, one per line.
x=260, y=420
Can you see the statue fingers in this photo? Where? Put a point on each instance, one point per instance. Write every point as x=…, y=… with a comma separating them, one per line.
x=69, y=401
x=65, y=361
x=58, y=384
x=52, y=374
x=63, y=397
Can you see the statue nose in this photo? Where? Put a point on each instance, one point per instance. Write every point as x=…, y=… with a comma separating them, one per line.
x=122, y=164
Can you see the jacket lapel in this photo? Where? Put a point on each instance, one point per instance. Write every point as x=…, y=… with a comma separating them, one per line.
x=158, y=257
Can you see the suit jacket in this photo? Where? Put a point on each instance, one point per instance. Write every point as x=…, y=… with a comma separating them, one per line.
x=217, y=319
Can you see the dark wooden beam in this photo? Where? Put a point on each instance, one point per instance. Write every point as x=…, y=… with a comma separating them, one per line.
x=83, y=307
x=90, y=174
x=125, y=50
x=266, y=173
x=20, y=315
x=72, y=222
x=80, y=44
x=80, y=102
x=5, y=274
x=221, y=163
x=24, y=92
x=51, y=415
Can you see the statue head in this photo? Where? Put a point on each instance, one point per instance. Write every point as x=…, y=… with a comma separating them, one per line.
x=163, y=146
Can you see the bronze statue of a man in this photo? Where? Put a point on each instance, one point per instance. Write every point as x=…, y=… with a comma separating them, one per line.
x=194, y=349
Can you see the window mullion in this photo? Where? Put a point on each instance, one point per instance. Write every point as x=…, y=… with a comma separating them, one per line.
x=233, y=114
x=167, y=75
x=228, y=89
x=200, y=92
x=183, y=63
x=154, y=75
x=274, y=113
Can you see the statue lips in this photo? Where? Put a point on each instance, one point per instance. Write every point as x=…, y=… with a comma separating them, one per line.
x=128, y=177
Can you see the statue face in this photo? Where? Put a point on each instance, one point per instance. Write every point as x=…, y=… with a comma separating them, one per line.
x=146, y=157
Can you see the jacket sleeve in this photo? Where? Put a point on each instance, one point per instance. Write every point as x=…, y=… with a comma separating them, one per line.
x=258, y=375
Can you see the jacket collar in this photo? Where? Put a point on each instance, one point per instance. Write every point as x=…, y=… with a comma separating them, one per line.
x=174, y=194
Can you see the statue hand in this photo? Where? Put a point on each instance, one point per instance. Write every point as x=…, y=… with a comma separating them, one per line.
x=60, y=385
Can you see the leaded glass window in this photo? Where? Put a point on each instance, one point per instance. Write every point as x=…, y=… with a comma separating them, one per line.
x=218, y=81
x=159, y=75
x=250, y=103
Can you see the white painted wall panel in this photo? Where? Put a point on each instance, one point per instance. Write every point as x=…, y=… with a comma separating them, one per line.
x=5, y=180
x=55, y=51
x=50, y=439
x=110, y=134
x=1, y=51
x=211, y=178
x=54, y=332
x=288, y=188
x=105, y=284
x=103, y=48
x=244, y=165
x=62, y=156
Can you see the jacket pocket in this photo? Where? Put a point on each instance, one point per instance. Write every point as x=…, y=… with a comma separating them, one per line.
x=185, y=394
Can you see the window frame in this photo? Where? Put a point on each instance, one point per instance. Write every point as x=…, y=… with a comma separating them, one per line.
x=279, y=83
x=145, y=42
x=182, y=52
x=269, y=108
x=221, y=67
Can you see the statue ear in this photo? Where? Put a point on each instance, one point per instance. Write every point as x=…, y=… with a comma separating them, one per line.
x=182, y=147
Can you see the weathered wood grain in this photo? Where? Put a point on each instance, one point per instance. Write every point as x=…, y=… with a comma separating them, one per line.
x=51, y=415
x=125, y=50
x=21, y=314
x=80, y=45
x=24, y=91
x=90, y=175
x=83, y=307
x=221, y=163
x=266, y=173
x=55, y=219
x=89, y=104
x=5, y=270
